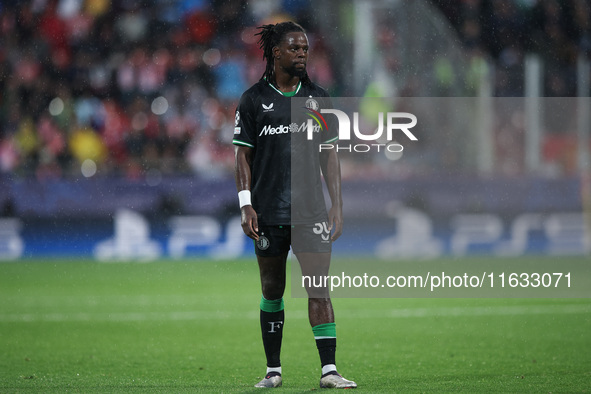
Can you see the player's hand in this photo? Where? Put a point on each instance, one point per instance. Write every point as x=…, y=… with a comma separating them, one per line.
x=335, y=222
x=249, y=222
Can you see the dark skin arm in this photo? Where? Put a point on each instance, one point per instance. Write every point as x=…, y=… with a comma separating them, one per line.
x=243, y=177
x=331, y=169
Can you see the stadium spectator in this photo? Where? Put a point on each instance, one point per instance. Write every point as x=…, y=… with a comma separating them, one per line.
x=86, y=62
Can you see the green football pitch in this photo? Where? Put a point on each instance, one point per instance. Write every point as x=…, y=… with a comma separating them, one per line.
x=193, y=326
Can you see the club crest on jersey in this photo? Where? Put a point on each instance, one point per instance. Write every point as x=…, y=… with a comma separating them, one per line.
x=263, y=243
x=268, y=108
x=312, y=104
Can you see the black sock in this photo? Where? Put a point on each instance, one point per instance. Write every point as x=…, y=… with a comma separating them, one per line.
x=326, y=349
x=272, y=331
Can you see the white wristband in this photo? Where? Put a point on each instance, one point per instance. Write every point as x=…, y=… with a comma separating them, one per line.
x=244, y=198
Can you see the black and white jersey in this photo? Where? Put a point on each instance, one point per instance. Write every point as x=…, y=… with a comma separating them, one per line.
x=264, y=122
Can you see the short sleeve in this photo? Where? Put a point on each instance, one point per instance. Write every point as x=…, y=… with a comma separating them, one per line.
x=244, y=124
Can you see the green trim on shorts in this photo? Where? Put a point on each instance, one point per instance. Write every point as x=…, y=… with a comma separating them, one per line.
x=325, y=331
x=271, y=305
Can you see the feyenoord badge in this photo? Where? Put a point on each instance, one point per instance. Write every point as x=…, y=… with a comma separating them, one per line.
x=263, y=243
x=312, y=104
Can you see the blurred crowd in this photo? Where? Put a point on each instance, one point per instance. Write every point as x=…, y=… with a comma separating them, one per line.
x=128, y=88
x=506, y=30
x=558, y=32
x=135, y=88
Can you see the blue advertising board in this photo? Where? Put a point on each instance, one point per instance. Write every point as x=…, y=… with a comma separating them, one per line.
x=109, y=219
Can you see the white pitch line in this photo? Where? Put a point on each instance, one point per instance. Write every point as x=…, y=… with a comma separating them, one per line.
x=123, y=316
x=90, y=300
x=473, y=311
x=470, y=311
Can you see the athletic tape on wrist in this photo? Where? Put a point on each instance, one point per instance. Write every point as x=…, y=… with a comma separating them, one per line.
x=244, y=198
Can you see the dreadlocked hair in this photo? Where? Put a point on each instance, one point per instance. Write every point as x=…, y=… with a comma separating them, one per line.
x=271, y=36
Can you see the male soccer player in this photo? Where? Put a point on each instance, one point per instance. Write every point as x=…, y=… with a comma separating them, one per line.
x=276, y=216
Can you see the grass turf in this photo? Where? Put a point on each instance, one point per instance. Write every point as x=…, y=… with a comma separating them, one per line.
x=192, y=326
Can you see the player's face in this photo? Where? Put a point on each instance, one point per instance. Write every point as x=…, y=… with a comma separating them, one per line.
x=292, y=54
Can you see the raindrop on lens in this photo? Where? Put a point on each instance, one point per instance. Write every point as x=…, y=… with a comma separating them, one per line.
x=56, y=106
x=139, y=121
x=153, y=177
x=159, y=105
x=88, y=168
x=212, y=57
x=393, y=152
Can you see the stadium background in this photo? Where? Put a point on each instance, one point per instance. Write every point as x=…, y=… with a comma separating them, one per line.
x=114, y=144
x=115, y=122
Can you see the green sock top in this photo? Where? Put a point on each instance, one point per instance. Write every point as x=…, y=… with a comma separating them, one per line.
x=324, y=331
x=271, y=305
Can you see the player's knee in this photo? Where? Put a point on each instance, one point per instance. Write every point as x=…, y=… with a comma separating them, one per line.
x=273, y=290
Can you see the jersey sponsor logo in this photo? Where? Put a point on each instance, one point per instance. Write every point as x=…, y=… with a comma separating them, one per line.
x=317, y=116
x=268, y=108
x=292, y=128
x=281, y=129
x=304, y=127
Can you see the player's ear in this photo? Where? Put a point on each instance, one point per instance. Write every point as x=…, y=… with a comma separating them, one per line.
x=276, y=52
